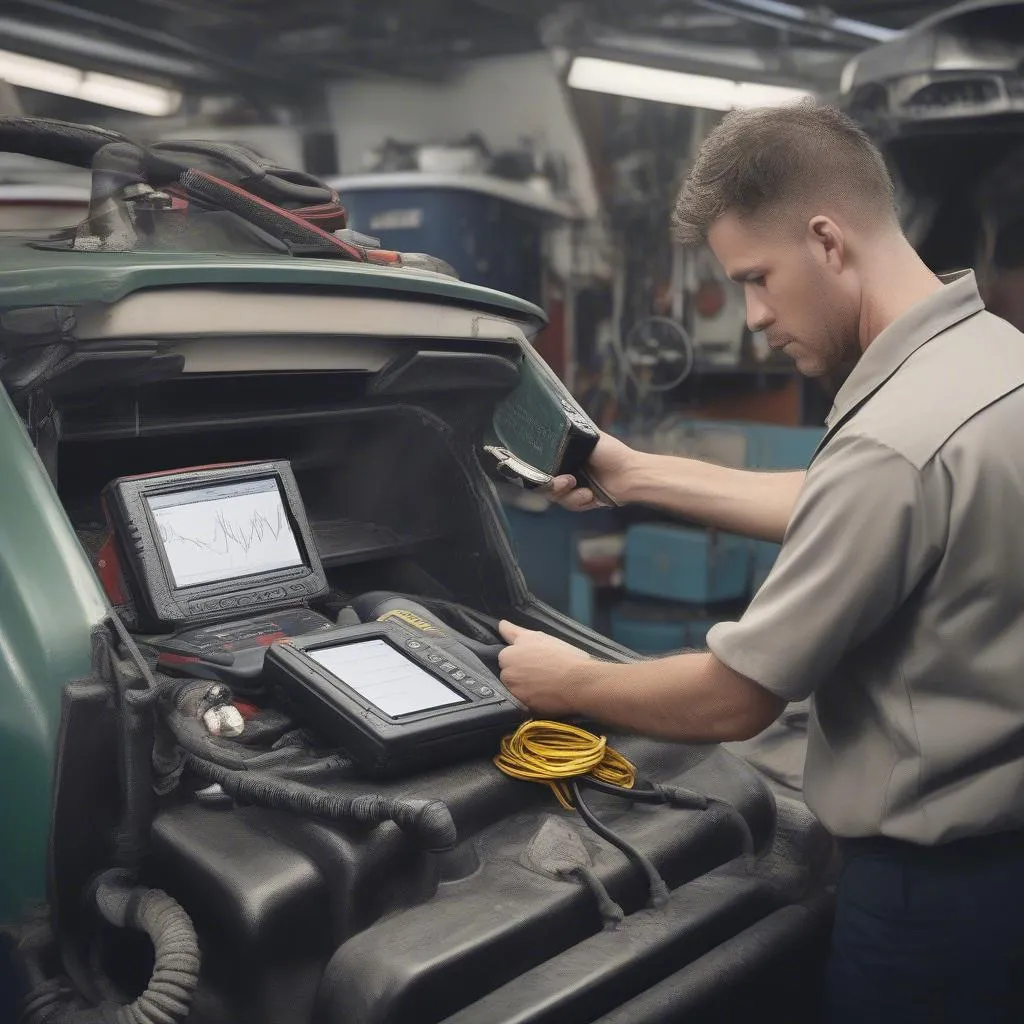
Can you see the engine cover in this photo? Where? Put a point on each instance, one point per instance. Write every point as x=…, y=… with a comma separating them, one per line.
x=307, y=921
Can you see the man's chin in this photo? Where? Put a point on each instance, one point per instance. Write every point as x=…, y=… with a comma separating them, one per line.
x=810, y=368
x=812, y=371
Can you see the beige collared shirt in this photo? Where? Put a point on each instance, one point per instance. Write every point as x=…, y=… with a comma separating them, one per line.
x=898, y=596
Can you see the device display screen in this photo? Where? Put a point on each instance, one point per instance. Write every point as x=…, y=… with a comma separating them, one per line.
x=224, y=531
x=387, y=679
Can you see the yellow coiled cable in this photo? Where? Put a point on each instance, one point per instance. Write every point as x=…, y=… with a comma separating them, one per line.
x=550, y=752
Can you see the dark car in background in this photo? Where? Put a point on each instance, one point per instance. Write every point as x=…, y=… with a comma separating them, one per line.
x=945, y=100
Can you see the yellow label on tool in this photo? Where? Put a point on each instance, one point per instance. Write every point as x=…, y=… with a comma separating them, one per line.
x=411, y=619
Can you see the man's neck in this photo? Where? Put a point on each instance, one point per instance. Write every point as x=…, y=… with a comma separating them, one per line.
x=896, y=281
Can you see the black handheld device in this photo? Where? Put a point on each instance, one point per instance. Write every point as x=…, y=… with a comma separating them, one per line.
x=209, y=544
x=391, y=698
x=540, y=431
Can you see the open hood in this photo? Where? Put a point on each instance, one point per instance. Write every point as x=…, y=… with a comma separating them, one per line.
x=200, y=259
x=101, y=335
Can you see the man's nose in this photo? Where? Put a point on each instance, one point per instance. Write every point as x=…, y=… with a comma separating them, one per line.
x=759, y=316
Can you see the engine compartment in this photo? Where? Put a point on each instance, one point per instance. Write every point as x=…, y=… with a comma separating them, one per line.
x=530, y=916
x=365, y=533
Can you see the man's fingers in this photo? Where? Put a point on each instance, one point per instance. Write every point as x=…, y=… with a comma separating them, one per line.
x=562, y=485
x=564, y=490
x=580, y=500
x=509, y=631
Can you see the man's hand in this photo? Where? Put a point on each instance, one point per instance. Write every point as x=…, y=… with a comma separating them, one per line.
x=691, y=698
x=539, y=669
x=609, y=465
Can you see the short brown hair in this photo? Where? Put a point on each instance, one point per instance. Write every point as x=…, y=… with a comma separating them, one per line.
x=760, y=159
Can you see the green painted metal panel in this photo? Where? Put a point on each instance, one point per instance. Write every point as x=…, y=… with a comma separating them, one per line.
x=49, y=597
x=38, y=277
x=50, y=600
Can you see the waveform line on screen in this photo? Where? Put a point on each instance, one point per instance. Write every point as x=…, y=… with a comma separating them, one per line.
x=245, y=535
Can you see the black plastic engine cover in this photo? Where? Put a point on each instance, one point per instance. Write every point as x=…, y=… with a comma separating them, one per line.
x=304, y=921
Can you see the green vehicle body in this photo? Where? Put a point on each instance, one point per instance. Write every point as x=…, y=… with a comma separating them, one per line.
x=50, y=597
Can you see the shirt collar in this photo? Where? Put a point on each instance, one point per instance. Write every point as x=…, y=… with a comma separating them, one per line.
x=957, y=300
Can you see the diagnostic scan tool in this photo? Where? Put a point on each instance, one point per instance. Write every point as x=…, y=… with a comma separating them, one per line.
x=392, y=699
x=218, y=567
x=540, y=431
x=210, y=544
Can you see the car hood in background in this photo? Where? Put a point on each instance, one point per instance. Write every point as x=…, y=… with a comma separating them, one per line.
x=963, y=63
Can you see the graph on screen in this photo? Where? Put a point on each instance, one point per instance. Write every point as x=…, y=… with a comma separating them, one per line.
x=217, y=533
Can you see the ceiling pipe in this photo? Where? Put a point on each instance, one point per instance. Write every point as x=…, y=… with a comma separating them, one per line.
x=816, y=19
x=162, y=39
x=103, y=51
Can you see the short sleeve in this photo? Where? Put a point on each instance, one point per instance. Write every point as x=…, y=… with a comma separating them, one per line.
x=863, y=534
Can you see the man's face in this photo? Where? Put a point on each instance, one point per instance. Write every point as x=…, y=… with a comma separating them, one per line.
x=795, y=292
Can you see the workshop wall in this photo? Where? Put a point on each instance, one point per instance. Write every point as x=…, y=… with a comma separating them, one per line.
x=505, y=99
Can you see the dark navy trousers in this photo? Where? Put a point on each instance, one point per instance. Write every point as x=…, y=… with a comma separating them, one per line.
x=928, y=935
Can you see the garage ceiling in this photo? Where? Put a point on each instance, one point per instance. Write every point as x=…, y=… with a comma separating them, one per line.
x=278, y=47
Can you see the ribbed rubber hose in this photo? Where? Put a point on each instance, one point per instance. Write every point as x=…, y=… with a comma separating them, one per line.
x=48, y=139
x=429, y=822
x=176, y=962
x=168, y=997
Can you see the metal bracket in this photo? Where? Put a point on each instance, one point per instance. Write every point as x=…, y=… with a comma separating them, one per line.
x=514, y=469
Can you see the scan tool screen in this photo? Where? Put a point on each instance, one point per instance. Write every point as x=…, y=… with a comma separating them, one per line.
x=224, y=531
x=387, y=679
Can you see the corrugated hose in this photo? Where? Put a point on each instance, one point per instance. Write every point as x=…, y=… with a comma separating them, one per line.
x=176, y=961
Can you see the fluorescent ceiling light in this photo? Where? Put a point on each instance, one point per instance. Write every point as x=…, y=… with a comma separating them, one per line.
x=704, y=91
x=107, y=90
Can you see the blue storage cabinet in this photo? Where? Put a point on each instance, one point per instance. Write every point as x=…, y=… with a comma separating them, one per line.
x=653, y=628
x=648, y=635
x=491, y=231
x=544, y=540
x=765, y=554
x=682, y=564
x=782, y=447
x=778, y=448
x=581, y=598
x=698, y=631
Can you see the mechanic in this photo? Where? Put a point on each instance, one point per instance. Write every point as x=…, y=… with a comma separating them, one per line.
x=898, y=596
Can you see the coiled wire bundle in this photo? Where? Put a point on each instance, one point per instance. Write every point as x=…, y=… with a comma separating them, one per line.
x=562, y=756
x=551, y=752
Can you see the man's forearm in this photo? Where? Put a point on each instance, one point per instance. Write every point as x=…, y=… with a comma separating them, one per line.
x=741, y=501
x=691, y=698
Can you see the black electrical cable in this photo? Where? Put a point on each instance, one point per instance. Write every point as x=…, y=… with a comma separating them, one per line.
x=652, y=793
x=564, y=757
x=659, y=890
x=429, y=822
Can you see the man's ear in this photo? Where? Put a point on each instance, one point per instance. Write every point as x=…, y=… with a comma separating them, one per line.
x=827, y=243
